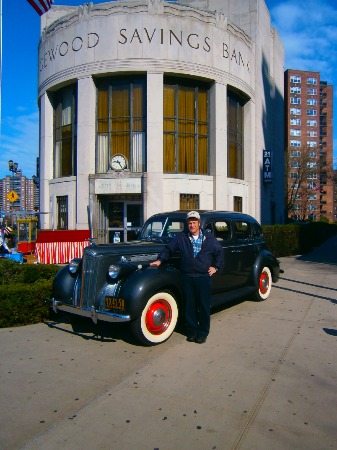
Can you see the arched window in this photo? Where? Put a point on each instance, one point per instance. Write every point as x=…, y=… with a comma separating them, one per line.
x=121, y=119
x=185, y=127
x=235, y=107
x=65, y=127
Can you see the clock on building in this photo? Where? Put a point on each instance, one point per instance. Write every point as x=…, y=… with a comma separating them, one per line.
x=118, y=162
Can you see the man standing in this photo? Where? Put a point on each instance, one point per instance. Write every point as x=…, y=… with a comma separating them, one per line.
x=201, y=257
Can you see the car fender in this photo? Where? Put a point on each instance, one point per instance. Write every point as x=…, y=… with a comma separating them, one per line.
x=265, y=259
x=63, y=284
x=142, y=284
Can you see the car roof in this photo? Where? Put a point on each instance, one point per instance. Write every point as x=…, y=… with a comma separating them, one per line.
x=205, y=214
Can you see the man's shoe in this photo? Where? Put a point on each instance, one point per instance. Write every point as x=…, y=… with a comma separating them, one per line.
x=191, y=338
x=201, y=339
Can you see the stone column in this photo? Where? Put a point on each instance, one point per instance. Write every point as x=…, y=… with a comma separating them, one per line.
x=218, y=145
x=153, y=178
x=47, y=204
x=86, y=109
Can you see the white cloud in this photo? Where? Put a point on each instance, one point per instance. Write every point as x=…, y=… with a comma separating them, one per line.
x=19, y=142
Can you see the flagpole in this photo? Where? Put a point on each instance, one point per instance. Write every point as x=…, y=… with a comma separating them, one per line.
x=0, y=69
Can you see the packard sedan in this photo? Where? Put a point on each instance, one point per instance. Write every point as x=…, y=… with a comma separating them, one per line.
x=115, y=282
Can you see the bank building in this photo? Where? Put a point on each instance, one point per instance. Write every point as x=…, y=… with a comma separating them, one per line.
x=151, y=106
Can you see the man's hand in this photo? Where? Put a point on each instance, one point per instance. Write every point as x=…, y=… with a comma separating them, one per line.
x=212, y=271
x=155, y=263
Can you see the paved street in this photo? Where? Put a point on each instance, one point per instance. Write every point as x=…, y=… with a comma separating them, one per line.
x=265, y=379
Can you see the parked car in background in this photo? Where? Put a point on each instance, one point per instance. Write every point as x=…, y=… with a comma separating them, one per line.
x=114, y=282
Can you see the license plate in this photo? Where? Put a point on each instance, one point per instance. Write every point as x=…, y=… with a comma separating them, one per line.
x=114, y=303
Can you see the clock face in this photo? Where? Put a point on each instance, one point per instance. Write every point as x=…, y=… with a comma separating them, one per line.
x=118, y=162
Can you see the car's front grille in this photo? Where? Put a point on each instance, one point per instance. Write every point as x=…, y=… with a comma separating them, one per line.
x=89, y=280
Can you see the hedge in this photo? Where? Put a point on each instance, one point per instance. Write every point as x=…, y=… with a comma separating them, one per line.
x=23, y=289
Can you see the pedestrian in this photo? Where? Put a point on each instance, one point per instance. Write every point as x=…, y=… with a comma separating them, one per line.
x=4, y=235
x=201, y=256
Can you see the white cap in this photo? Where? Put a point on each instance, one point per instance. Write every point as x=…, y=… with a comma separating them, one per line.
x=193, y=215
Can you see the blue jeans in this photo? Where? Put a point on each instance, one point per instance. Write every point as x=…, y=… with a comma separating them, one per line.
x=197, y=294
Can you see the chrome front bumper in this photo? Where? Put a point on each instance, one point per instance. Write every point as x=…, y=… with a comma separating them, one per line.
x=87, y=312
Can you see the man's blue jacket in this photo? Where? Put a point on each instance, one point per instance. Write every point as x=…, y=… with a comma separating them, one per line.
x=211, y=253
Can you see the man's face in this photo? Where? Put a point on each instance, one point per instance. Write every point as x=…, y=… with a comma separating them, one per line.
x=193, y=226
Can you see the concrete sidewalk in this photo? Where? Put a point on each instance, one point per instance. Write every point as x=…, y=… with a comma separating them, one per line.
x=265, y=379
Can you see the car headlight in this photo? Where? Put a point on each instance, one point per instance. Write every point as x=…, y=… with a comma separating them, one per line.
x=74, y=266
x=114, y=271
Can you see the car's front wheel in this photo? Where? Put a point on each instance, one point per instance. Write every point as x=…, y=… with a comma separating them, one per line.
x=265, y=282
x=157, y=321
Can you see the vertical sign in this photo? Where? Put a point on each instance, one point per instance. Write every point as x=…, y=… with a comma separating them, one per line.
x=267, y=166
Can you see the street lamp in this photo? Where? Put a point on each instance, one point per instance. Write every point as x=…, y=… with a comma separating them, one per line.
x=12, y=166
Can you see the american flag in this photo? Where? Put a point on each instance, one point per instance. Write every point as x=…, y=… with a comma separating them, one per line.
x=41, y=6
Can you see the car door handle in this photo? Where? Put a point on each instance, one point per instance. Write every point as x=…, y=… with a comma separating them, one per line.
x=236, y=251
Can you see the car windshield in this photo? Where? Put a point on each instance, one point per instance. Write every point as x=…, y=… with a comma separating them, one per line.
x=162, y=228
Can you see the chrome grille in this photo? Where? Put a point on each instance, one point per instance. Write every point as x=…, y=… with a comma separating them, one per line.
x=89, y=280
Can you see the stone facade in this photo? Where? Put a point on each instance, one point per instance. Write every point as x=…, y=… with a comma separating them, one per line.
x=228, y=44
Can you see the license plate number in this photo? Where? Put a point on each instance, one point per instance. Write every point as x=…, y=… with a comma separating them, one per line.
x=114, y=303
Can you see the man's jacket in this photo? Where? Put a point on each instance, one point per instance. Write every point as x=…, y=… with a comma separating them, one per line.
x=211, y=253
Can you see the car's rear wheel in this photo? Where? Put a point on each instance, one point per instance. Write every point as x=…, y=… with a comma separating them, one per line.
x=265, y=282
x=157, y=321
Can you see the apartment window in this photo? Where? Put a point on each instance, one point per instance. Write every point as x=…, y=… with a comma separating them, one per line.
x=312, y=81
x=312, y=165
x=295, y=111
x=295, y=153
x=311, y=143
x=312, y=154
x=235, y=116
x=295, y=79
x=62, y=212
x=294, y=132
x=311, y=101
x=312, y=176
x=293, y=175
x=121, y=121
x=189, y=201
x=312, y=197
x=311, y=91
x=295, y=164
x=295, y=100
x=295, y=143
x=312, y=207
x=295, y=122
x=295, y=90
x=311, y=123
x=185, y=127
x=64, y=124
x=237, y=204
x=311, y=112
x=312, y=133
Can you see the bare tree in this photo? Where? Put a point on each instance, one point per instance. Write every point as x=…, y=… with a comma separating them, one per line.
x=303, y=169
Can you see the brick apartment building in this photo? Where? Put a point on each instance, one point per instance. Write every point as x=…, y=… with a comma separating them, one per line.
x=27, y=196
x=309, y=146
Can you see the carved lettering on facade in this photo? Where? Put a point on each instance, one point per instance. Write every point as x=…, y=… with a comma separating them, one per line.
x=143, y=36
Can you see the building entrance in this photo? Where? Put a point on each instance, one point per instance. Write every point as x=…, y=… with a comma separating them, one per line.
x=120, y=221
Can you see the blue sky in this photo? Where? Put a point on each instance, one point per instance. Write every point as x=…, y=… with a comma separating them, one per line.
x=308, y=30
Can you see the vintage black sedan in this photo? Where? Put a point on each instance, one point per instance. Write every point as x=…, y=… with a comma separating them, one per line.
x=114, y=282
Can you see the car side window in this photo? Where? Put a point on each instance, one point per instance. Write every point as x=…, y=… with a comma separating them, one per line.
x=220, y=229
x=242, y=230
x=257, y=231
x=174, y=227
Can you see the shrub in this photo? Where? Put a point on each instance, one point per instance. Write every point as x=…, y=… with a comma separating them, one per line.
x=23, y=289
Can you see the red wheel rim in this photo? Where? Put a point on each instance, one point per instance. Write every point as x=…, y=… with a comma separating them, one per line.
x=264, y=283
x=158, y=317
